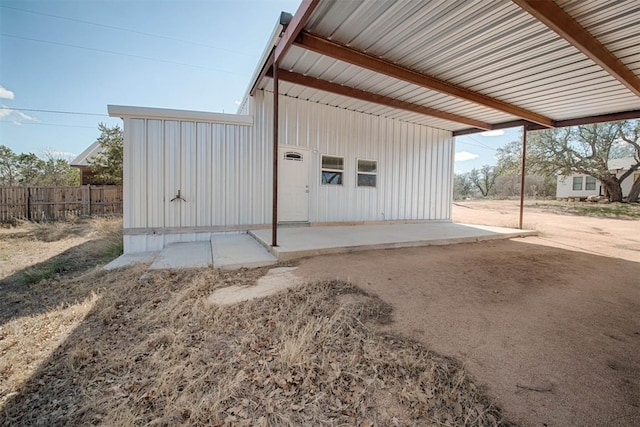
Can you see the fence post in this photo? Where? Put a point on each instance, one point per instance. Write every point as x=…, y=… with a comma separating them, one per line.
x=89, y=188
x=29, y=203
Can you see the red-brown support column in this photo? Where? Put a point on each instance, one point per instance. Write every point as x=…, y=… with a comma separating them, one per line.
x=522, y=174
x=274, y=214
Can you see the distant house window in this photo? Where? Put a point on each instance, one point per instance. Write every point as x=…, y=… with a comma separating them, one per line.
x=590, y=183
x=367, y=173
x=577, y=183
x=332, y=170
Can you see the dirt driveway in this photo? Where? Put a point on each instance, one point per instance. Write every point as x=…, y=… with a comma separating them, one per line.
x=551, y=325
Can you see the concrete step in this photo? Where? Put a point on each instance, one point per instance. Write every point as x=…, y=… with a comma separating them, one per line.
x=234, y=251
x=183, y=255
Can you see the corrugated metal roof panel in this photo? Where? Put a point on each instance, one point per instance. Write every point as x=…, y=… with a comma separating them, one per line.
x=316, y=65
x=492, y=47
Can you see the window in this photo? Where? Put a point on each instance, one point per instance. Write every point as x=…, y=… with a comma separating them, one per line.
x=367, y=172
x=292, y=155
x=577, y=183
x=331, y=170
x=590, y=183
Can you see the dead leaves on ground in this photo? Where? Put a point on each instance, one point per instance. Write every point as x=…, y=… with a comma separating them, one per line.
x=157, y=354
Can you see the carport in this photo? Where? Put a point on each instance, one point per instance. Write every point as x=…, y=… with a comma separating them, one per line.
x=462, y=66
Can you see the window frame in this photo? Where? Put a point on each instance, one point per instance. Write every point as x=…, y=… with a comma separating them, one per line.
x=573, y=187
x=587, y=183
x=297, y=157
x=332, y=170
x=358, y=173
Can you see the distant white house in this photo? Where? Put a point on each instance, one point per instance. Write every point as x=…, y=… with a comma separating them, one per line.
x=581, y=185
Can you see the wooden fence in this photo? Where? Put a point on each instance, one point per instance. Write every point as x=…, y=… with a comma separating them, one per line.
x=51, y=203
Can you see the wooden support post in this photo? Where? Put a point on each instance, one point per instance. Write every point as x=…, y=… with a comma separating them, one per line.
x=274, y=214
x=523, y=172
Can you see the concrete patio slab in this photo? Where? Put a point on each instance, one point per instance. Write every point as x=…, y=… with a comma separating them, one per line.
x=234, y=251
x=276, y=280
x=308, y=241
x=183, y=255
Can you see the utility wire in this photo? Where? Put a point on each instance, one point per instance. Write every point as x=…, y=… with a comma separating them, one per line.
x=117, y=53
x=47, y=124
x=54, y=111
x=113, y=27
x=481, y=143
x=474, y=145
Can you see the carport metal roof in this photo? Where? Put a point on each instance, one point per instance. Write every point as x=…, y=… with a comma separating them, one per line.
x=464, y=66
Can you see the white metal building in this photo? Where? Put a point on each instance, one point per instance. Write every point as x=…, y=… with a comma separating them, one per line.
x=581, y=185
x=370, y=97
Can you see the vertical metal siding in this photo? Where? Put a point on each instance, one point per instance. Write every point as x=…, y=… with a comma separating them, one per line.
x=204, y=163
x=171, y=181
x=414, y=161
x=138, y=171
x=224, y=170
x=155, y=168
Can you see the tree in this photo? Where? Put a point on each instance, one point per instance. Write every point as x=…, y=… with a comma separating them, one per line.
x=8, y=167
x=583, y=149
x=540, y=179
x=30, y=169
x=630, y=133
x=27, y=169
x=107, y=165
x=484, y=179
x=462, y=186
x=56, y=172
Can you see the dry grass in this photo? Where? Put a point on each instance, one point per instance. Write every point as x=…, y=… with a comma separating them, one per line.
x=125, y=352
x=626, y=211
x=40, y=251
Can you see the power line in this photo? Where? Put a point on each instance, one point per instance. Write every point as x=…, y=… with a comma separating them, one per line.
x=55, y=111
x=47, y=124
x=481, y=143
x=117, y=53
x=474, y=145
x=113, y=27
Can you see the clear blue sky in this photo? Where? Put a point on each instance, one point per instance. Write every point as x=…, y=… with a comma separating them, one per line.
x=79, y=56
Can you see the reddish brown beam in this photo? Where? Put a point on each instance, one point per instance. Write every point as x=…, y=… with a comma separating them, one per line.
x=362, y=95
x=294, y=28
x=274, y=200
x=352, y=56
x=611, y=117
x=523, y=174
x=587, y=120
x=554, y=17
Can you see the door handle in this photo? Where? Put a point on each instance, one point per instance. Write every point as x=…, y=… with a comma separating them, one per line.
x=178, y=197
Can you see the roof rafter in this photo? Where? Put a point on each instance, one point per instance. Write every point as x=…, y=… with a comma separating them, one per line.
x=354, y=57
x=362, y=95
x=554, y=17
x=588, y=120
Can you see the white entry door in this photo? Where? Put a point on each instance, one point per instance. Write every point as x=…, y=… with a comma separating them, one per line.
x=293, y=184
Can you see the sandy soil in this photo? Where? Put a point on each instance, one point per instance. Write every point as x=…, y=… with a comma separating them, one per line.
x=549, y=324
x=609, y=237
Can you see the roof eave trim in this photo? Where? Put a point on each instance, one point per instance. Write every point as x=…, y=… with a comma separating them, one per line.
x=124, y=111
